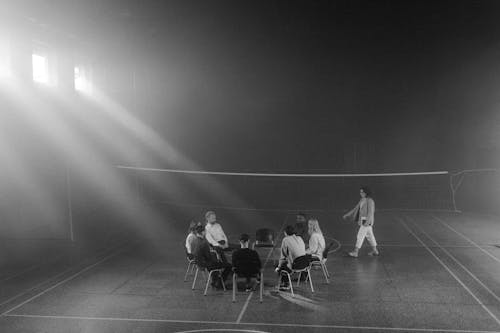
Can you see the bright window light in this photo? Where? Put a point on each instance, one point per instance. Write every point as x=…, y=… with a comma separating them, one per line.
x=40, y=69
x=82, y=81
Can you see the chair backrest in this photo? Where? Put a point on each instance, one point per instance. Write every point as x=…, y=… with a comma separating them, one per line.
x=301, y=262
x=265, y=236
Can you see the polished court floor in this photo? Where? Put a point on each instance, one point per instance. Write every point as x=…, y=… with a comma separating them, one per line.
x=438, y=272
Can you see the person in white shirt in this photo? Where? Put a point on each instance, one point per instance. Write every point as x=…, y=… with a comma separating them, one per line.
x=215, y=235
x=316, y=240
x=292, y=247
x=364, y=214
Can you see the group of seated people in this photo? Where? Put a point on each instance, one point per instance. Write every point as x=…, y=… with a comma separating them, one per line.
x=206, y=244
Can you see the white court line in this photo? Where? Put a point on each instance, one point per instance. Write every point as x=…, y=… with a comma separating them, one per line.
x=451, y=273
x=245, y=306
x=466, y=238
x=459, y=263
x=242, y=312
x=63, y=281
x=206, y=322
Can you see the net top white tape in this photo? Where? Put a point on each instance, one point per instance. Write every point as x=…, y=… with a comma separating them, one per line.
x=305, y=175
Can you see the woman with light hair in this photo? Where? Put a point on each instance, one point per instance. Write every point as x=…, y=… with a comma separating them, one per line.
x=316, y=240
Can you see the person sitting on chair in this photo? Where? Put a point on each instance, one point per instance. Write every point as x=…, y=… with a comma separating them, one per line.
x=301, y=226
x=292, y=246
x=207, y=258
x=215, y=235
x=246, y=262
x=316, y=240
x=191, y=237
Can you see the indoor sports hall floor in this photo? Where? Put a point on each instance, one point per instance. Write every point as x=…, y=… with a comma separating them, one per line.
x=438, y=272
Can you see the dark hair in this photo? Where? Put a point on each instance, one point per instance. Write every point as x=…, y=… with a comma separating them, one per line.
x=289, y=230
x=244, y=237
x=367, y=191
x=192, y=226
x=199, y=228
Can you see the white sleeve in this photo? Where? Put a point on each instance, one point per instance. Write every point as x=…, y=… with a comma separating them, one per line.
x=210, y=238
x=188, y=245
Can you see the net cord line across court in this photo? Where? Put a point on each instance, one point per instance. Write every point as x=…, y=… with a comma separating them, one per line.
x=295, y=175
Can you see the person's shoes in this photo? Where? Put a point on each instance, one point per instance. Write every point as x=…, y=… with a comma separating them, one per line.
x=248, y=289
x=373, y=253
x=353, y=254
x=284, y=287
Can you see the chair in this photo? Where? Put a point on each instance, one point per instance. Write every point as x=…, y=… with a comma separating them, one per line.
x=210, y=272
x=264, y=238
x=300, y=265
x=191, y=266
x=261, y=287
x=322, y=262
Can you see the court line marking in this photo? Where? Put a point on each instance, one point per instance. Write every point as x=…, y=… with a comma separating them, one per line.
x=465, y=237
x=451, y=273
x=242, y=312
x=459, y=263
x=221, y=330
x=118, y=251
x=350, y=327
x=245, y=306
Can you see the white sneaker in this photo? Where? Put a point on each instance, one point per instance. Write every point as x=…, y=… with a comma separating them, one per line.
x=353, y=254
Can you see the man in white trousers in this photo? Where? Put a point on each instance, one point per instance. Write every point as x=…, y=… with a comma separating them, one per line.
x=364, y=214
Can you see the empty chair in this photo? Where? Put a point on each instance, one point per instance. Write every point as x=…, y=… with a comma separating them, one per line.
x=264, y=238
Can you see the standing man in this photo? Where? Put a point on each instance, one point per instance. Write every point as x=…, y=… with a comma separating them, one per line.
x=364, y=214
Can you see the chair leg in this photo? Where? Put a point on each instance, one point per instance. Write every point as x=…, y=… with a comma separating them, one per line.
x=195, y=276
x=310, y=280
x=187, y=272
x=325, y=273
x=298, y=279
x=261, y=285
x=222, y=280
x=234, y=287
x=208, y=282
x=290, y=283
